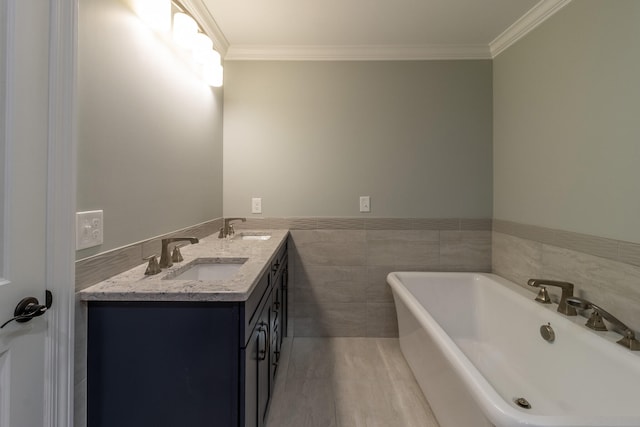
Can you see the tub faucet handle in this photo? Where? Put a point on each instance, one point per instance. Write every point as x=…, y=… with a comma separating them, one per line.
x=595, y=322
x=629, y=341
x=543, y=296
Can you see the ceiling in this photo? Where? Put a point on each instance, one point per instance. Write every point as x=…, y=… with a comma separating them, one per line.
x=370, y=29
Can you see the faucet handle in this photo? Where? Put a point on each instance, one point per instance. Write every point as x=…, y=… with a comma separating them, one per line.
x=596, y=322
x=629, y=341
x=152, y=267
x=176, y=256
x=543, y=296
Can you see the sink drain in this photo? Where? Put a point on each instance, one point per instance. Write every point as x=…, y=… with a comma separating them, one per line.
x=522, y=402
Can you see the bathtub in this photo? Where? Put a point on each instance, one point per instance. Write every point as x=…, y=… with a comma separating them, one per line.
x=473, y=342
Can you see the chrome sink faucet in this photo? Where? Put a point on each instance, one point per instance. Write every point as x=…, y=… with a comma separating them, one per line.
x=595, y=322
x=165, y=256
x=227, y=230
x=567, y=291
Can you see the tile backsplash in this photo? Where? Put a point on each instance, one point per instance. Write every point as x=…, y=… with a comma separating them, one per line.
x=97, y=268
x=604, y=271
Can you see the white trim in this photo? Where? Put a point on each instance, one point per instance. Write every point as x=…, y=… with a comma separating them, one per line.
x=7, y=16
x=201, y=14
x=530, y=20
x=4, y=86
x=61, y=194
x=356, y=53
x=5, y=378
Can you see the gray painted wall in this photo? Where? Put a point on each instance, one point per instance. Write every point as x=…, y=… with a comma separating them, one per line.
x=311, y=137
x=566, y=122
x=149, y=132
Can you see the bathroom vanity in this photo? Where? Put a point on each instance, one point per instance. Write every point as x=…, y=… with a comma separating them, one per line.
x=165, y=351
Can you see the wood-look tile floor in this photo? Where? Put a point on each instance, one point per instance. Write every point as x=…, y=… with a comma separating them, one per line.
x=346, y=382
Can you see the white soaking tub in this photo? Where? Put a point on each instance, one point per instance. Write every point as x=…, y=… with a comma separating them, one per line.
x=474, y=344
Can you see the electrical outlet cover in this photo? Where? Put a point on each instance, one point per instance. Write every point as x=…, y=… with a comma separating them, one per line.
x=365, y=204
x=89, y=229
x=256, y=205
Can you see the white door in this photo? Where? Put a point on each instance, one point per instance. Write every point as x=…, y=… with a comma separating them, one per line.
x=24, y=72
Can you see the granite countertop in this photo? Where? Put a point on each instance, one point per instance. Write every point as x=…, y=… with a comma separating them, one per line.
x=133, y=285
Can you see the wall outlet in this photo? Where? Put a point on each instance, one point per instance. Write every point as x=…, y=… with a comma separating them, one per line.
x=365, y=204
x=256, y=205
x=89, y=229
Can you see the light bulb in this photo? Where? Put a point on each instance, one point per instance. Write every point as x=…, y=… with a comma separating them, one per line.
x=185, y=29
x=202, y=46
x=213, y=74
x=155, y=13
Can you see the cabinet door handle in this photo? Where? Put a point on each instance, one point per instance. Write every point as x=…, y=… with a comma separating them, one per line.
x=262, y=353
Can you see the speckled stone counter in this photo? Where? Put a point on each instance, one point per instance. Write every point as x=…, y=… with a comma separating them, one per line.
x=133, y=285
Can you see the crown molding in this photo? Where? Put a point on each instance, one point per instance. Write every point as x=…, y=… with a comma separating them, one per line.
x=355, y=53
x=534, y=17
x=201, y=14
x=530, y=20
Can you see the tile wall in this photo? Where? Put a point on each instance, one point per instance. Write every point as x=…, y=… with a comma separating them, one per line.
x=339, y=266
x=604, y=271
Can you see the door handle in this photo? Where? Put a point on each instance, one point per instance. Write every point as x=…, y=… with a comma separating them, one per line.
x=28, y=308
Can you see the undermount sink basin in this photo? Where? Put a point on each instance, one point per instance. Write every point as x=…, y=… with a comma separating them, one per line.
x=254, y=236
x=209, y=269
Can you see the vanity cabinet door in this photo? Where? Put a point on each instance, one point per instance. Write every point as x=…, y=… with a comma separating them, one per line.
x=284, y=310
x=280, y=285
x=264, y=387
x=163, y=364
x=276, y=320
x=256, y=371
x=251, y=378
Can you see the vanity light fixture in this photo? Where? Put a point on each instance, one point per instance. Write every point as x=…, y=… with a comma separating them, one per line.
x=201, y=45
x=186, y=35
x=156, y=14
x=212, y=70
x=184, y=29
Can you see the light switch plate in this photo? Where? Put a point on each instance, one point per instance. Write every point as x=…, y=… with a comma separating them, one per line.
x=256, y=205
x=89, y=229
x=365, y=204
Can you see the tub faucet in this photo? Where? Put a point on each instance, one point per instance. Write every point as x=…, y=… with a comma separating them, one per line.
x=227, y=230
x=165, y=256
x=567, y=291
x=595, y=322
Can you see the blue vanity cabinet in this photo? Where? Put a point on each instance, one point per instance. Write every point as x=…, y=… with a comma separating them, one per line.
x=162, y=364
x=197, y=364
